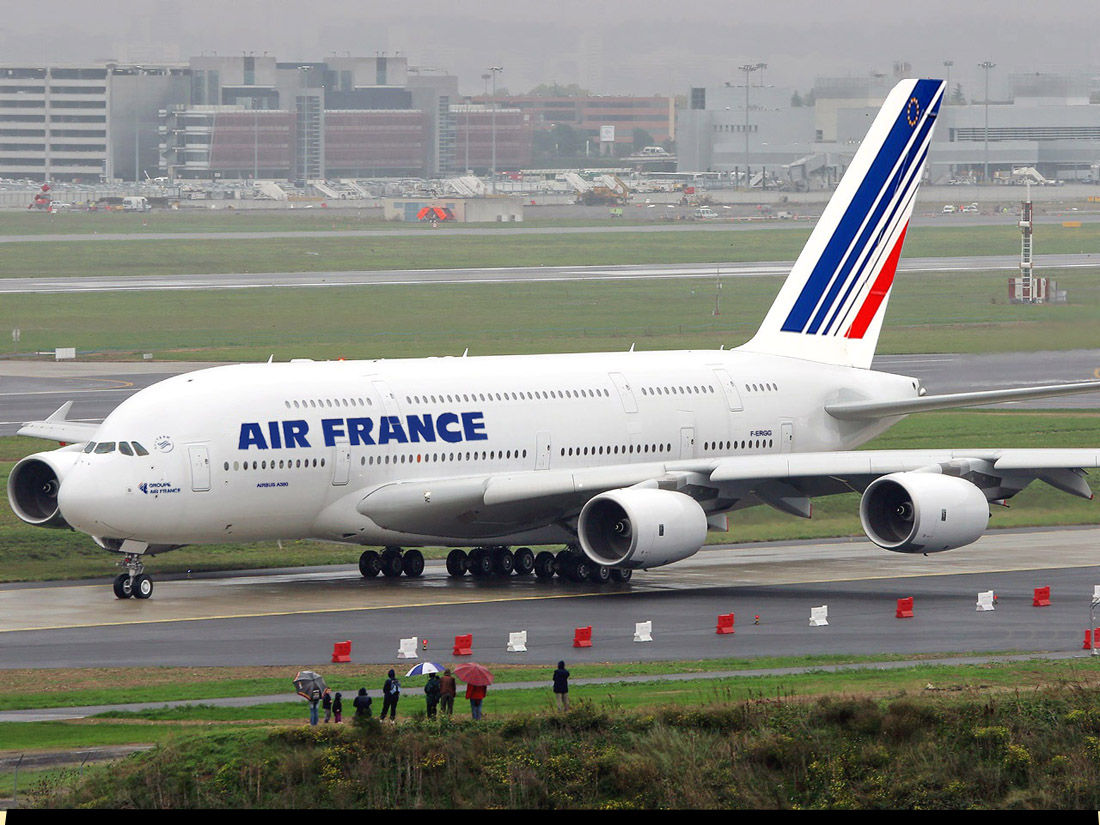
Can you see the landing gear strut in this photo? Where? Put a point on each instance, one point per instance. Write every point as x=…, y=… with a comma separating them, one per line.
x=134, y=583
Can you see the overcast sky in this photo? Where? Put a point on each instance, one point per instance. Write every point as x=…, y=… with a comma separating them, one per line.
x=636, y=47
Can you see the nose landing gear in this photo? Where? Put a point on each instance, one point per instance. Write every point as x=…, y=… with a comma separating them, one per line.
x=134, y=583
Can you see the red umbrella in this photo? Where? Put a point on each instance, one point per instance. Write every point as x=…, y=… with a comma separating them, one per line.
x=474, y=674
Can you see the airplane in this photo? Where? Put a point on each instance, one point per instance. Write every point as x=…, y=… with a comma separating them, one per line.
x=627, y=459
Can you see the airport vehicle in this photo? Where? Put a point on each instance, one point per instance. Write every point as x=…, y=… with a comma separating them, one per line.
x=625, y=458
x=135, y=203
x=705, y=213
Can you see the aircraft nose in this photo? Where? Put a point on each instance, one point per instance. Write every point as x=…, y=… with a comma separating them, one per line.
x=86, y=503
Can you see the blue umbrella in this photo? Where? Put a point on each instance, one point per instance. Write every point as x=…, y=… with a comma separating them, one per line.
x=424, y=667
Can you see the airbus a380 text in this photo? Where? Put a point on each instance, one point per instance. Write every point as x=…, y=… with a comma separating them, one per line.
x=625, y=458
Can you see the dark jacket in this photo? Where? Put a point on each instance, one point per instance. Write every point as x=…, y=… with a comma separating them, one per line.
x=431, y=690
x=561, y=680
x=362, y=703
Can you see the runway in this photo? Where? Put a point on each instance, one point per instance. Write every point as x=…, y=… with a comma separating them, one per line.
x=293, y=617
x=302, y=280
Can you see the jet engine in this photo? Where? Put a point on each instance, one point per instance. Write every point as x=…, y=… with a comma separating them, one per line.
x=641, y=528
x=33, y=486
x=923, y=512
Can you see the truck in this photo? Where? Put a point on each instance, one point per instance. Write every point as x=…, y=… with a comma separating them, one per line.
x=135, y=203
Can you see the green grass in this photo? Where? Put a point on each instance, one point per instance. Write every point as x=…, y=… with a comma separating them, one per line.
x=928, y=312
x=499, y=249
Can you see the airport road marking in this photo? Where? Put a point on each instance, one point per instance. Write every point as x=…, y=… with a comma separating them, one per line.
x=278, y=613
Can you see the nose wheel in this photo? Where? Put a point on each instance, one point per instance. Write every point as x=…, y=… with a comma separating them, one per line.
x=134, y=583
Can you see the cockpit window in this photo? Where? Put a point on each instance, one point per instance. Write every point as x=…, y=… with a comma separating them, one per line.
x=139, y=449
x=124, y=448
x=89, y=446
x=104, y=447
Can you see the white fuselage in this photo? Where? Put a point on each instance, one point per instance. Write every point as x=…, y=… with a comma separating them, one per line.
x=286, y=451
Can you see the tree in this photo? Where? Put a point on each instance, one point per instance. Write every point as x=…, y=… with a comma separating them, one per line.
x=641, y=139
x=957, y=96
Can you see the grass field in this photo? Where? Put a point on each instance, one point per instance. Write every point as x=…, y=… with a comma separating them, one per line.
x=928, y=312
x=498, y=249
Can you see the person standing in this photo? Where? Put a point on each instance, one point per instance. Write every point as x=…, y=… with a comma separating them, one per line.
x=326, y=703
x=447, y=690
x=475, y=693
x=337, y=708
x=391, y=692
x=314, y=698
x=362, y=704
x=561, y=686
x=431, y=693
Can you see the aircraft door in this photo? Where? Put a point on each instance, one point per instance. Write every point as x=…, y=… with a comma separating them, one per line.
x=341, y=462
x=626, y=395
x=542, y=451
x=786, y=436
x=200, y=467
x=687, y=442
x=729, y=389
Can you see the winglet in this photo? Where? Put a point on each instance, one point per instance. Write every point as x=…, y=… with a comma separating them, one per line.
x=58, y=427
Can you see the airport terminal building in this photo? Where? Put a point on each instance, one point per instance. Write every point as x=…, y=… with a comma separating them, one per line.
x=1046, y=122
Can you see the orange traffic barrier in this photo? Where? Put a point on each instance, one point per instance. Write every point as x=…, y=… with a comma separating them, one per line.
x=341, y=652
x=1088, y=641
x=1042, y=597
x=582, y=637
x=905, y=608
x=464, y=645
x=725, y=624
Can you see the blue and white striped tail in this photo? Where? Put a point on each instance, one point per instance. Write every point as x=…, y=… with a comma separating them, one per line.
x=831, y=306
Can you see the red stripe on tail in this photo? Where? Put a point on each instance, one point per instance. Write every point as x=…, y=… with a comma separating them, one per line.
x=879, y=290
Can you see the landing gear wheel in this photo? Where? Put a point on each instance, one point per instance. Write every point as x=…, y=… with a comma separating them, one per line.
x=412, y=564
x=503, y=561
x=391, y=563
x=481, y=563
x=621, y=574
x=562, y=562
x=370, y=564
x=599, y=574
x=581, y=570
x=545, y=564
x=524, y=561
x=143, y=587
x=457, y=563
x=123, y=586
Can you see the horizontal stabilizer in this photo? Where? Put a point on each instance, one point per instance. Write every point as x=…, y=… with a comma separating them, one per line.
x=870, y=410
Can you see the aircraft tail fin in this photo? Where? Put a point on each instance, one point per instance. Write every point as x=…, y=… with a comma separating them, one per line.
x=830, y=308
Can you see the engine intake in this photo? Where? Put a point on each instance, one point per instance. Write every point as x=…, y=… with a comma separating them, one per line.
x=32, y=490
x=923, y=512
x=641, y=528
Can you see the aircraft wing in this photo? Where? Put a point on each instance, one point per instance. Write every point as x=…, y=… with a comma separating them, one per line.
x=488, y=505
x=58, y=427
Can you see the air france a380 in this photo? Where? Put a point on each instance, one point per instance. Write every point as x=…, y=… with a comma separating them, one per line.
x=626, y=459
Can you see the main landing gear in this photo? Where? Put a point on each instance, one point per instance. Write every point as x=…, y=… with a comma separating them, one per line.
x=570, y=563
x=134, y=583
x=391, y=563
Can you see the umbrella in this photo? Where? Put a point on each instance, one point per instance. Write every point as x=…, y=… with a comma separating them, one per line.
x=424, y=667
x=474, y=674
x=310, y=685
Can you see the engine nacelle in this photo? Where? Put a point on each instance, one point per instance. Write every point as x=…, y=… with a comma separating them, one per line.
x=641, y=528
x=923, y=512
x=33, y=486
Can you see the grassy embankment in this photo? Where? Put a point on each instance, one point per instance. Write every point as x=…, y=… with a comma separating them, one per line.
x=29, y=553
x=995, y=736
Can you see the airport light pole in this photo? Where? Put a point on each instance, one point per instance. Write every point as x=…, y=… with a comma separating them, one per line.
x=747, y=69
x=494, y=70
x=987, y=65
x=947, y=64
